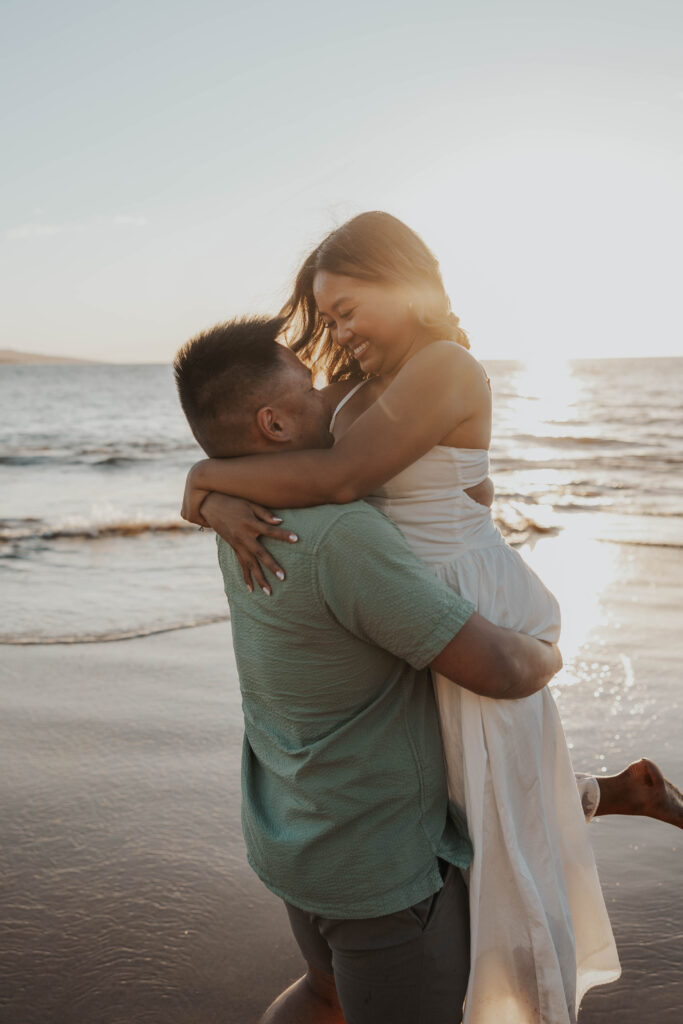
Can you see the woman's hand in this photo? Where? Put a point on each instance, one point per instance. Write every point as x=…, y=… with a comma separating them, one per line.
x=241, y=523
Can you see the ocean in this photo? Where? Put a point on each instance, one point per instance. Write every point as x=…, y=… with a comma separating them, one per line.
x=93, y=460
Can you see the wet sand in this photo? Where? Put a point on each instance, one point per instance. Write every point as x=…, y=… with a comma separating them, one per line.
x=126, y=891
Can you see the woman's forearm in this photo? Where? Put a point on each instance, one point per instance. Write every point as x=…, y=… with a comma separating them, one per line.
x=409, y=418
x=287, y=480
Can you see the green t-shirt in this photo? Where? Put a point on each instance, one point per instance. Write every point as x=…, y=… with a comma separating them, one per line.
x=345, y=806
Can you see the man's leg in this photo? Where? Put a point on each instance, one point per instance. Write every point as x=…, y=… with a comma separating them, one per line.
x=641, y=789
x=410, y=967
x=310, y=1000
x=406, y=968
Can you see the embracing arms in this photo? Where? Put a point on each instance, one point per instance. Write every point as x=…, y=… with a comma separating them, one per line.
x=386, y=596
x=439, y=388
x=496, y=662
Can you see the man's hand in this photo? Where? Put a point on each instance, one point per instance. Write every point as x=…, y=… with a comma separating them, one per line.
x=496, y=662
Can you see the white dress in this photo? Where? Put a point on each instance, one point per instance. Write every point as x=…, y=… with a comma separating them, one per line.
x=540, y=934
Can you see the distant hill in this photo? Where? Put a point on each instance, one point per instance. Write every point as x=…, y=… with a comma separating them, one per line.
x=8, y=355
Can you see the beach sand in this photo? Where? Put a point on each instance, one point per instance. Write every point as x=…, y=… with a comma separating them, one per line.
x=127, y=893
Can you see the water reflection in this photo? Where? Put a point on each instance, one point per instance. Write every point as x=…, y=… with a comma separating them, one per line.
x=578, y=568
x=546, y=392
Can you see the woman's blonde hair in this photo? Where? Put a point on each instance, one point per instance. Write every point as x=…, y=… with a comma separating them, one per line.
x=373, y=246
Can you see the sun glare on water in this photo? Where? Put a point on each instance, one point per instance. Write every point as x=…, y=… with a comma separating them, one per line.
x=548, y=390
x=578, y=569
x=576, y=565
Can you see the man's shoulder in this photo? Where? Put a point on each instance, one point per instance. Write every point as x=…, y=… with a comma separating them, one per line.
x=314, y=525
x=326, y=536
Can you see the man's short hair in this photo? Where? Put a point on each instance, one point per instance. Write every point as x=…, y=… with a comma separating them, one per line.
x=220, y=374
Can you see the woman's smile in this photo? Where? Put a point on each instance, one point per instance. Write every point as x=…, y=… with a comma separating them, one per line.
x=358, y=350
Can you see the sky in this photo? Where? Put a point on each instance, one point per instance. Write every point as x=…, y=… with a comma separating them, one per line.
x=169, y=164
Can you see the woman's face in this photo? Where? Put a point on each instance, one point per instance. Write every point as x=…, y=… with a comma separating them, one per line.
x=374, y=322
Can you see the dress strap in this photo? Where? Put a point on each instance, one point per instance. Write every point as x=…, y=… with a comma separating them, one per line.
x=347, y=396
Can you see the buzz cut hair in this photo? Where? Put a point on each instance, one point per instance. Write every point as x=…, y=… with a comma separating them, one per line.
x=219, y=375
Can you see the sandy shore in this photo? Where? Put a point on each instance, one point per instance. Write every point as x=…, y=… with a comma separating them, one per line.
x=130, y=896
x=128, y=892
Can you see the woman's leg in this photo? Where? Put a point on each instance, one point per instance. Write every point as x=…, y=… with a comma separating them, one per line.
x=310, y=1000
x=641, y=789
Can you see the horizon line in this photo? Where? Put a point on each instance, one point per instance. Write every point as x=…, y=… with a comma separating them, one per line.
x=37, y=358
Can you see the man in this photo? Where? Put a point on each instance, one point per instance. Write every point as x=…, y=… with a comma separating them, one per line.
x=345, y=809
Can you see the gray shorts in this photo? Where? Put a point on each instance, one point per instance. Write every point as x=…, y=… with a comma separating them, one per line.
x=410, y=967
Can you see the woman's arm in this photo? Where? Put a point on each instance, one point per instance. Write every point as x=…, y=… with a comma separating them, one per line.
x=438, y=389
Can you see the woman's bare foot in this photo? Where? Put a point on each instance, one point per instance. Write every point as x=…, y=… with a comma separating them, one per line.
x=641, y=789
x=310, y=1000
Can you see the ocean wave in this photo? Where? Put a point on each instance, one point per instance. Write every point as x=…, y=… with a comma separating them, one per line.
x=582, y=440
x=519, y=525
x=112, y=455
x=638, y=542
x=115, y=460
x=79, y=528
x=632, y=471
x=29, y=640
x=512, y=520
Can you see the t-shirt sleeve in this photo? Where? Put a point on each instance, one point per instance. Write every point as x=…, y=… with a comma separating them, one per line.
x=378, y=589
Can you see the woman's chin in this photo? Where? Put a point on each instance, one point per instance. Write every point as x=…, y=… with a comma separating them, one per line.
x=369, y=363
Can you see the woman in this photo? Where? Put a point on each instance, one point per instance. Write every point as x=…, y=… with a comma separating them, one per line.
x=412, y=423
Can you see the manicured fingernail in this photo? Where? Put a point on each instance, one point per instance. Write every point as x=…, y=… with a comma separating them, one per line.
x=276, y=519
x=266, y=590
x=280, y=575
x=249, y=588
x=293, y=536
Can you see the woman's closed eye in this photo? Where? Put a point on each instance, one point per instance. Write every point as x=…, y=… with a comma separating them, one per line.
x=331, y=324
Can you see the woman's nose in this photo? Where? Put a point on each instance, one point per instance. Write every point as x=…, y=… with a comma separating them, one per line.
x=344, y=334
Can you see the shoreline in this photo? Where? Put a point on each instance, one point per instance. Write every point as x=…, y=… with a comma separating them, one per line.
x=541, y=530
x=127, y=884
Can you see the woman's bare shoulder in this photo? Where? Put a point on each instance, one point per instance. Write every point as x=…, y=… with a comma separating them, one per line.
x=449, y=359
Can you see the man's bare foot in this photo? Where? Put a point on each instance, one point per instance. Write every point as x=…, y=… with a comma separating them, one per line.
x=641, y=789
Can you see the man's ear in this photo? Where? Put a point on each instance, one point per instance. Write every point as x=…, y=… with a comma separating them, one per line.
x=271, y=425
